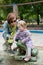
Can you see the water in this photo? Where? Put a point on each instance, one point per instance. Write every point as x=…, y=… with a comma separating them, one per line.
x=37, y=31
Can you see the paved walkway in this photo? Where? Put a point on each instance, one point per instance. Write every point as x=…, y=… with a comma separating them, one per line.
x=1, y=42
x=8, y=60
x=37, y=40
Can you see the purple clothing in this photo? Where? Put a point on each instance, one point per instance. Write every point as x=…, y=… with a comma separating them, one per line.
x=25, y=37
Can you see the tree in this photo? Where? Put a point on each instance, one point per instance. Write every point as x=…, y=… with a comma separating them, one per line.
x=26, y=11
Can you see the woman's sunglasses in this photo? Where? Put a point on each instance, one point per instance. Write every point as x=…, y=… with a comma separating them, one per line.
x=13, y=21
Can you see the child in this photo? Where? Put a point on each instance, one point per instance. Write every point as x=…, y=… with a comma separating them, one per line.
x=25, y=36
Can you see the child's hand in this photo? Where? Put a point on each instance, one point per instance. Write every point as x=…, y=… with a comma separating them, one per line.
x=15, y=42
x=22, y=41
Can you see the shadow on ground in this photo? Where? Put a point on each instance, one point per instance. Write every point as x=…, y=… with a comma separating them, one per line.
x=7, y=59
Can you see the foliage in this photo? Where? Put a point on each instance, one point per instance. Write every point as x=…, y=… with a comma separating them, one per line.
x=28, y=12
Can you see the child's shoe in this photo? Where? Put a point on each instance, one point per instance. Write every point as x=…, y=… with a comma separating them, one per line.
x=27, y=59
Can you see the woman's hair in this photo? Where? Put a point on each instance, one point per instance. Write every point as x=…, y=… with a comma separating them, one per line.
x=11, y=16
x=22, y=23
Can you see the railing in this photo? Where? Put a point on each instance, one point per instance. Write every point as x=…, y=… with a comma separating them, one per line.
x=22, y=3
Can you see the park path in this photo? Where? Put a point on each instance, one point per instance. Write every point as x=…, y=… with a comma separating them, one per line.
x=8, y=60
x=37, y=40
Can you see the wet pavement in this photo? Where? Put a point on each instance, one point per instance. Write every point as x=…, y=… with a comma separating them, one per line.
x=7, y=59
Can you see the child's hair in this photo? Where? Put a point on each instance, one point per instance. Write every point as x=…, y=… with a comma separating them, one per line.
x=22, y=23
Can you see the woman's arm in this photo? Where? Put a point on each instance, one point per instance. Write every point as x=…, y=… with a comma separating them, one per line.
x=16, y=35
x=5, y=32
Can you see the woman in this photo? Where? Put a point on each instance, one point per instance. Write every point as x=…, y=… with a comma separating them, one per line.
x=9, y=26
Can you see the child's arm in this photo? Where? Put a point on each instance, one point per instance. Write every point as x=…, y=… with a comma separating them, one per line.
x=28, y=37
x=14, y=45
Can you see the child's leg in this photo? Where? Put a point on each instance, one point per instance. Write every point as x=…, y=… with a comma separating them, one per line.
x=28, y=54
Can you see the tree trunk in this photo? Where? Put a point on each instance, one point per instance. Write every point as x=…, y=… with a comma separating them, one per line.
x=38, y=19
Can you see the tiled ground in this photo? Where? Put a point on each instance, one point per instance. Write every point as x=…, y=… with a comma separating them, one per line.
x=8, y=60
x=37, y=39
